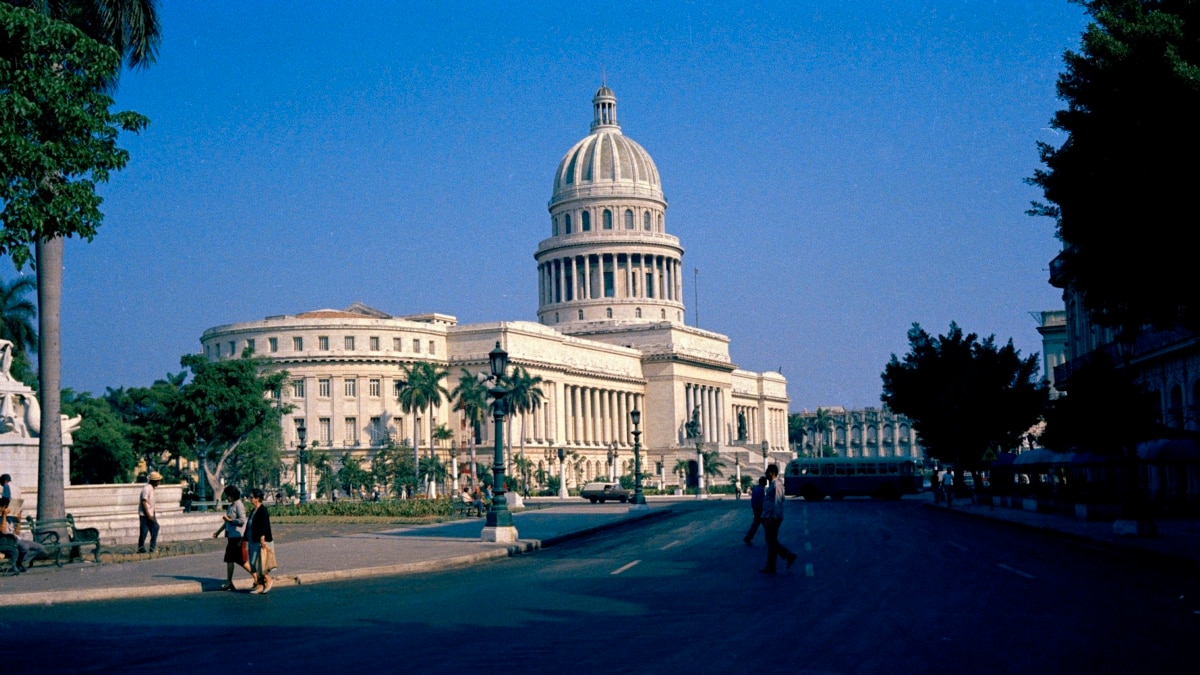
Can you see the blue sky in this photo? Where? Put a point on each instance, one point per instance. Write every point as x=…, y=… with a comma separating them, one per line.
x=835, y=170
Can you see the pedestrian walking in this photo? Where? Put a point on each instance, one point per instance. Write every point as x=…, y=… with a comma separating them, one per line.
x=772, y=519
x=935, y=485
x=235, y=548
x=757, y=493
x=147, y=516
x=948, y=488
x=260, y=546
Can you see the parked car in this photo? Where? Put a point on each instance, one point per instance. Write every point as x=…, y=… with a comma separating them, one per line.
x=602, y=492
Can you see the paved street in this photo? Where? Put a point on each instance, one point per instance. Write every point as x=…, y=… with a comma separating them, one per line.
x=880, y=587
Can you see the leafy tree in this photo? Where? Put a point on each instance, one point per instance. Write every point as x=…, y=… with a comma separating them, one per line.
x=352, y=476
x=225, y=403
x=524, y=396
x=421, y=391
x=820, y=425
x=103, y=451
x=1105, y=412
x=1132, y=98
x=470, y=398
x=17, y=315
x=795, y=429
x=324, y=467
x=964, y=397
x=258, y=459
x=57, y=141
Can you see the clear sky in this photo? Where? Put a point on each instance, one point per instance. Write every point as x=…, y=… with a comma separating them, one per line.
x=835, y=170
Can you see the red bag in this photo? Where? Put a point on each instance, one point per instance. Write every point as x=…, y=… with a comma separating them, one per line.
x=245, y=552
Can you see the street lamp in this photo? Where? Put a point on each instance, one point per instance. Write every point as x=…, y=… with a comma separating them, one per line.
x=639, y=499
x=499, y=526
x=454, y=464
x=302, y=434
x=611, y=456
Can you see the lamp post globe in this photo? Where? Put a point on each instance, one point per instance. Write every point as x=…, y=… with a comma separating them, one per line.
x=639, y=499
x=499, y=526
x=562, y=474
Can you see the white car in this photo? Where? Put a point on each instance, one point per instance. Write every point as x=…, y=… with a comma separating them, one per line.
x=602, y=492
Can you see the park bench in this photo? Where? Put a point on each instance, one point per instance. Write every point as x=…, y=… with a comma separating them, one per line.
x=459, y=507
x=8, y=549
x=46, y=533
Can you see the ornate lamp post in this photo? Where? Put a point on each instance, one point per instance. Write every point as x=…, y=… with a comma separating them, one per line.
x=611, y=456
x=639, y=499
x=302, y=434
x=499, y=526
x=766, y=448
x=454, y=466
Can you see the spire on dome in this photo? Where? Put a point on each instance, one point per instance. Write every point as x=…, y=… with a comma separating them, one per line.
x=604, y=107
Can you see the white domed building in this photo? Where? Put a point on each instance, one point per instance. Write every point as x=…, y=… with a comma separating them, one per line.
x=610, y=337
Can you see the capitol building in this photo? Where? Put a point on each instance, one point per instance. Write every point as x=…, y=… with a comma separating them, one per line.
x=610, y=337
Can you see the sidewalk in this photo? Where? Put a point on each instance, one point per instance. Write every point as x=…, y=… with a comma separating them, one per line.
x=1178, y=540
x=405, y=550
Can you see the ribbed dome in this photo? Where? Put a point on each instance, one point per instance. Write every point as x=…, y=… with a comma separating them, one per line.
x=606, y=159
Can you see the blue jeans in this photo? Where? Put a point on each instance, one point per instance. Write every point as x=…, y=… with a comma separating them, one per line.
x=147, y=525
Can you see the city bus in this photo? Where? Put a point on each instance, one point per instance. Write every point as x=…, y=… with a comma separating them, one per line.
x=815, y=478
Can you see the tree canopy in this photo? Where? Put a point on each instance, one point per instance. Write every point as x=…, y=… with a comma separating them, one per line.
x=58, y=138
x=1120, y=186
x=1106, y=413
x=964, y=396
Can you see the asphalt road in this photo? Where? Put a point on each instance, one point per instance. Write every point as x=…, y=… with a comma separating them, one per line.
x=880, y=587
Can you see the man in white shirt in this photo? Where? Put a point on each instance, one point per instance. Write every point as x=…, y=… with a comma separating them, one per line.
x=147, y=517
x=772, y=519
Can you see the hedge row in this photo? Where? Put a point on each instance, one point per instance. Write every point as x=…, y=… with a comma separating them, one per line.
x=406, y=508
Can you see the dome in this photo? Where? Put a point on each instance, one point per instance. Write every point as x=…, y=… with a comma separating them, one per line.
x=606, y=161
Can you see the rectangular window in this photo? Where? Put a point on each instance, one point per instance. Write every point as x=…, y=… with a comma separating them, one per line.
x=325, y=429
x=323, y=387
x=297, y=388
x=298, y=344
x=374, y=344
x=250, y=345
x=349, y=343
x=350, y=387
x=351, y=431
x=323, y=343
x=431, y=349
x=273, y=344
x=376, y=430
x=218, y=346
x=374, y=387
x=416, y=346
x=397, y=345
x=397, y=385
x=232, y=348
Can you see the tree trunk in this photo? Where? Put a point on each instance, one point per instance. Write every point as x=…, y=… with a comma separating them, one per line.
x=51, y=476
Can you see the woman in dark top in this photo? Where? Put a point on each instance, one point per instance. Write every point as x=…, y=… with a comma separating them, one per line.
x=258, y=536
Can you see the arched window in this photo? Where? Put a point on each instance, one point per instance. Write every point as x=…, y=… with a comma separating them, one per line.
x=581, y=314
x=607, y=219
x=628, y=219
x=554, y=227
x=586, y=219
x=608, y=312
x=638, y=312
x=660, y=225
x=567, y=224
x=556, y=317
x=663, y=313
x=645, y=221
x=1176, y=413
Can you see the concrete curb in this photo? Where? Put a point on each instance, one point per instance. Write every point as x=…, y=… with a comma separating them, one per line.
x=306, y=578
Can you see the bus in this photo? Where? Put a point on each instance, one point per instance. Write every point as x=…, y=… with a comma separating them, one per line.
x=814, y=478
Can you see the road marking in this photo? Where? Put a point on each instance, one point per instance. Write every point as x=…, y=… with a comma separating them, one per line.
x=957, y=546
x=625, y=567
x=808, y=569
x=808, y=546
x=1015, y=571
x=674, y=543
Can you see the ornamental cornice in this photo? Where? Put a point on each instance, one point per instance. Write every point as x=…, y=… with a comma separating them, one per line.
x=691, y=360
x=605, y=240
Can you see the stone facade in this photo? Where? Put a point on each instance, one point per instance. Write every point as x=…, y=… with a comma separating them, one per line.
x=870, y=432
x=610, y=337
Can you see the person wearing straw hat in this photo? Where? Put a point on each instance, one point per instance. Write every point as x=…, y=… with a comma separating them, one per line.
x=147, y=517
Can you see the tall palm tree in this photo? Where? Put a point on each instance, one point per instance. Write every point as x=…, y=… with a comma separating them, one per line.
x=822, y=423
x=682, y=466
x=470, y=398
x=524, y=396
x=131, y=27
x=422, y=390
x=714, y=466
